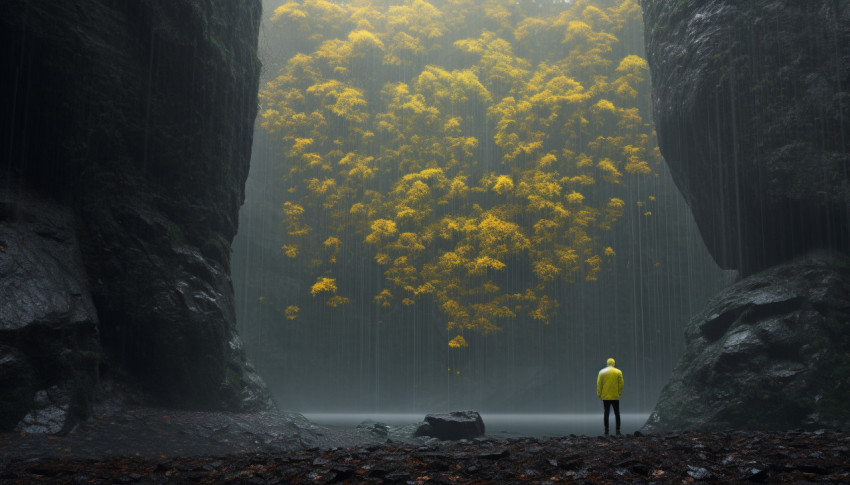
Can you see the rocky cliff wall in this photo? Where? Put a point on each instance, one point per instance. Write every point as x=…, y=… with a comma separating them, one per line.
x=127, y=127
x=751, y=104
x=770, y=352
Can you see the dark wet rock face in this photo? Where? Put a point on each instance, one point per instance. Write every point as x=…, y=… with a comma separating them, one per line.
x=457, y=425
x=48, y=324
x=751, y=107
x=751, y=102
x=133, y=119
x=770, y=352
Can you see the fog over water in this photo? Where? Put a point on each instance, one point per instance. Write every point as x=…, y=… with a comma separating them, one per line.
x=460, y=205
x=498, y=425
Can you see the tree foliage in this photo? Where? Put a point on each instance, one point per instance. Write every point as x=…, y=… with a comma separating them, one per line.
x=453, y=148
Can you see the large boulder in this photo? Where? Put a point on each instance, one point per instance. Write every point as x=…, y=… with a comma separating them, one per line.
x=751, y=105
x=134, y=119
x=770, y=352
x=456, y=425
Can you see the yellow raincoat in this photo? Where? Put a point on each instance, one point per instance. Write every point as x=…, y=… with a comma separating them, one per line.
x=609, y=384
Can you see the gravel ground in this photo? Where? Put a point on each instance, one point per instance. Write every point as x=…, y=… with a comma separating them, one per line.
x=150, y=445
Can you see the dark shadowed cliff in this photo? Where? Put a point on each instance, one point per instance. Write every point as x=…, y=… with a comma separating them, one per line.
x=127, y=133
x=751, y=102
x=751, y=105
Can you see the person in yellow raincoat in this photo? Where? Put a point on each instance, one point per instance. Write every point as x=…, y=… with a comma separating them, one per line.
x=609, y=386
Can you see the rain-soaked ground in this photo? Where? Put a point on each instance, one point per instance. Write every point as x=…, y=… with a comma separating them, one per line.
x=151, y=445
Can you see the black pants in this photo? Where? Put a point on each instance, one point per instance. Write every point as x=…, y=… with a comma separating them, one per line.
x=608, y=405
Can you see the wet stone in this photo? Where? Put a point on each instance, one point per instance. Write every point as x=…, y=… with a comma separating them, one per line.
x=457, y=425
x=49, y=413
x=698, y=473
x=495, y=455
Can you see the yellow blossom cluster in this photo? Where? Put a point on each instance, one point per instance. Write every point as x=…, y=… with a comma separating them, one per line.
x=452, y=142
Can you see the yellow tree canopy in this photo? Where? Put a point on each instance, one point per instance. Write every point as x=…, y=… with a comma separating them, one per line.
x=448, y=142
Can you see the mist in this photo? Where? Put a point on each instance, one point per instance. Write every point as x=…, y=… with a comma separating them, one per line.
x=387, y=135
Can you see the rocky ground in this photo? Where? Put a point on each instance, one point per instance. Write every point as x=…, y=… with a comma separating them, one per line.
x=149, y=445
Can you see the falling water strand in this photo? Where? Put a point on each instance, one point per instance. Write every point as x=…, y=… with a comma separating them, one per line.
x=12, y=129
x=838, y=64
x=377, y=354
x=148, y=103
x=736, y=158
x=12, y=135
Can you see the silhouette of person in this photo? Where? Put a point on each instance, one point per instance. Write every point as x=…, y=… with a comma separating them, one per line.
x=609, y=385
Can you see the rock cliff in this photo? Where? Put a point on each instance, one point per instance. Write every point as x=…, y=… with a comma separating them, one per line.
x=751, y=100
x=127, y=129
x=751, y=104
x=770, y=352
